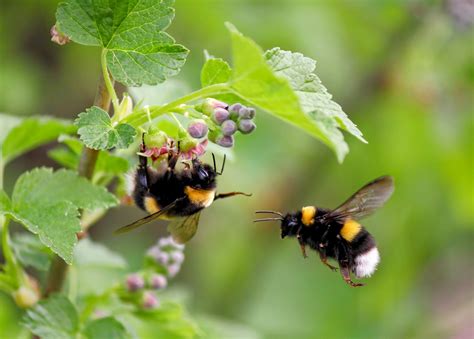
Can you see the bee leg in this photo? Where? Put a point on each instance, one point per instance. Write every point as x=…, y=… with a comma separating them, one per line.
x=324, y=260
x=172, y=160
x=142, y=172
x=302, y=245
x=345, y=272
x=230, y=194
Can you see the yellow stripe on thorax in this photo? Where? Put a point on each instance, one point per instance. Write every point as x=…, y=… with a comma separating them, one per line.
x=151, y=205
x=200, y=197
x=350, y=229
x=307, y=215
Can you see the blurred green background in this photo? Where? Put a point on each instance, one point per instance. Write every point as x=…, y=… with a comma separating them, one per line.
x=404, y=73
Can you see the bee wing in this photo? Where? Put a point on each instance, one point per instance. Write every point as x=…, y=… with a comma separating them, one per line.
x=366, y=200
x=184, y=228
x=147, y=219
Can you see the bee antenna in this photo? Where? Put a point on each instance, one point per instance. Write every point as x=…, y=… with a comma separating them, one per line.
x=271, y=212
x=267, y=219
x=214, y=161
x=223, y=164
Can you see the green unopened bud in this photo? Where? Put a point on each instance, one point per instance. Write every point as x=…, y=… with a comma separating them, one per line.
x=25, y=297
x=155, y=138
x=187, y=143
x=126, y=107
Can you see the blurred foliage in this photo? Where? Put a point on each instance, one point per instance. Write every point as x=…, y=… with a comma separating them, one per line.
x=403, y=71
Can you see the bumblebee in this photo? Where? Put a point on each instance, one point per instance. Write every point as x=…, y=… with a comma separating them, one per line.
x=176, y=194
x=337, y=233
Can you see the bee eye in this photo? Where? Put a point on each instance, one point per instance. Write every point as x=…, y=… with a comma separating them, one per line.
x=202, y=174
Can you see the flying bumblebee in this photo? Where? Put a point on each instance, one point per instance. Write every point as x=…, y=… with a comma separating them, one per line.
x=337, y=233
x=175, y=194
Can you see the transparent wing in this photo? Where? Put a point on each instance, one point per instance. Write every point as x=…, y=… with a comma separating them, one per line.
x=365, y=201
x=184, y=228
x=146, y=220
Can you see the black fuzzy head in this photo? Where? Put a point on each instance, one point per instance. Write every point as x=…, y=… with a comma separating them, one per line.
x=203, y=176
x=289, y=225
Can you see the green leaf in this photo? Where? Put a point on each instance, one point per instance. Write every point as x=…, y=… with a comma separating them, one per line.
x=53, y=318
x=8, y=122
x=5, y=203
x=109, y=328
x=88, y=253
x=132, y=31
x=31, y=133
x=314, y=98
x=31, y=252
x=256, y=81
x=215, y=71
x=97, y=131
x=106, y=162
x=99, y=268
x=64, y=157
x=167, y=321
x=47, y=204
x=18, y=135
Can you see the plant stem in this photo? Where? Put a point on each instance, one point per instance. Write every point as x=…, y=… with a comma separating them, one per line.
x=108, y=82
x=178, y=122
x=140, y=117
x=58, y=270
x=11, y=265
x=1, y=172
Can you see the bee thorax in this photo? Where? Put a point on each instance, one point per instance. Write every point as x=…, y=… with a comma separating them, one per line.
x=366, y=263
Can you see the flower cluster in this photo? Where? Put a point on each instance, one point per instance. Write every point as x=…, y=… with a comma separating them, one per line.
x=226, y=121
x=162, y=262
x=213, y=120
x=167, y=256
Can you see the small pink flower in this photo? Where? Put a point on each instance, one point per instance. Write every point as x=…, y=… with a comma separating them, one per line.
x=196, y=151
x=155, y=152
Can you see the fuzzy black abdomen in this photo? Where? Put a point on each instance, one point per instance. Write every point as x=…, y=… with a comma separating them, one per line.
x=364, y=253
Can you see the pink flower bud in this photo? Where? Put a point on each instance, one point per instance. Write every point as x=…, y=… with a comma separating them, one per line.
x=246, y=126
x=174, y=269
x=197, y=129
x=225, y=141
x=247, y=113
x=158, y=281
x=220, y=115
x=162, y=258
x=210, y=104
x=150, y=301
x=235, y=108
x=135, y=282
x=177, y=257
x=229, y=127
